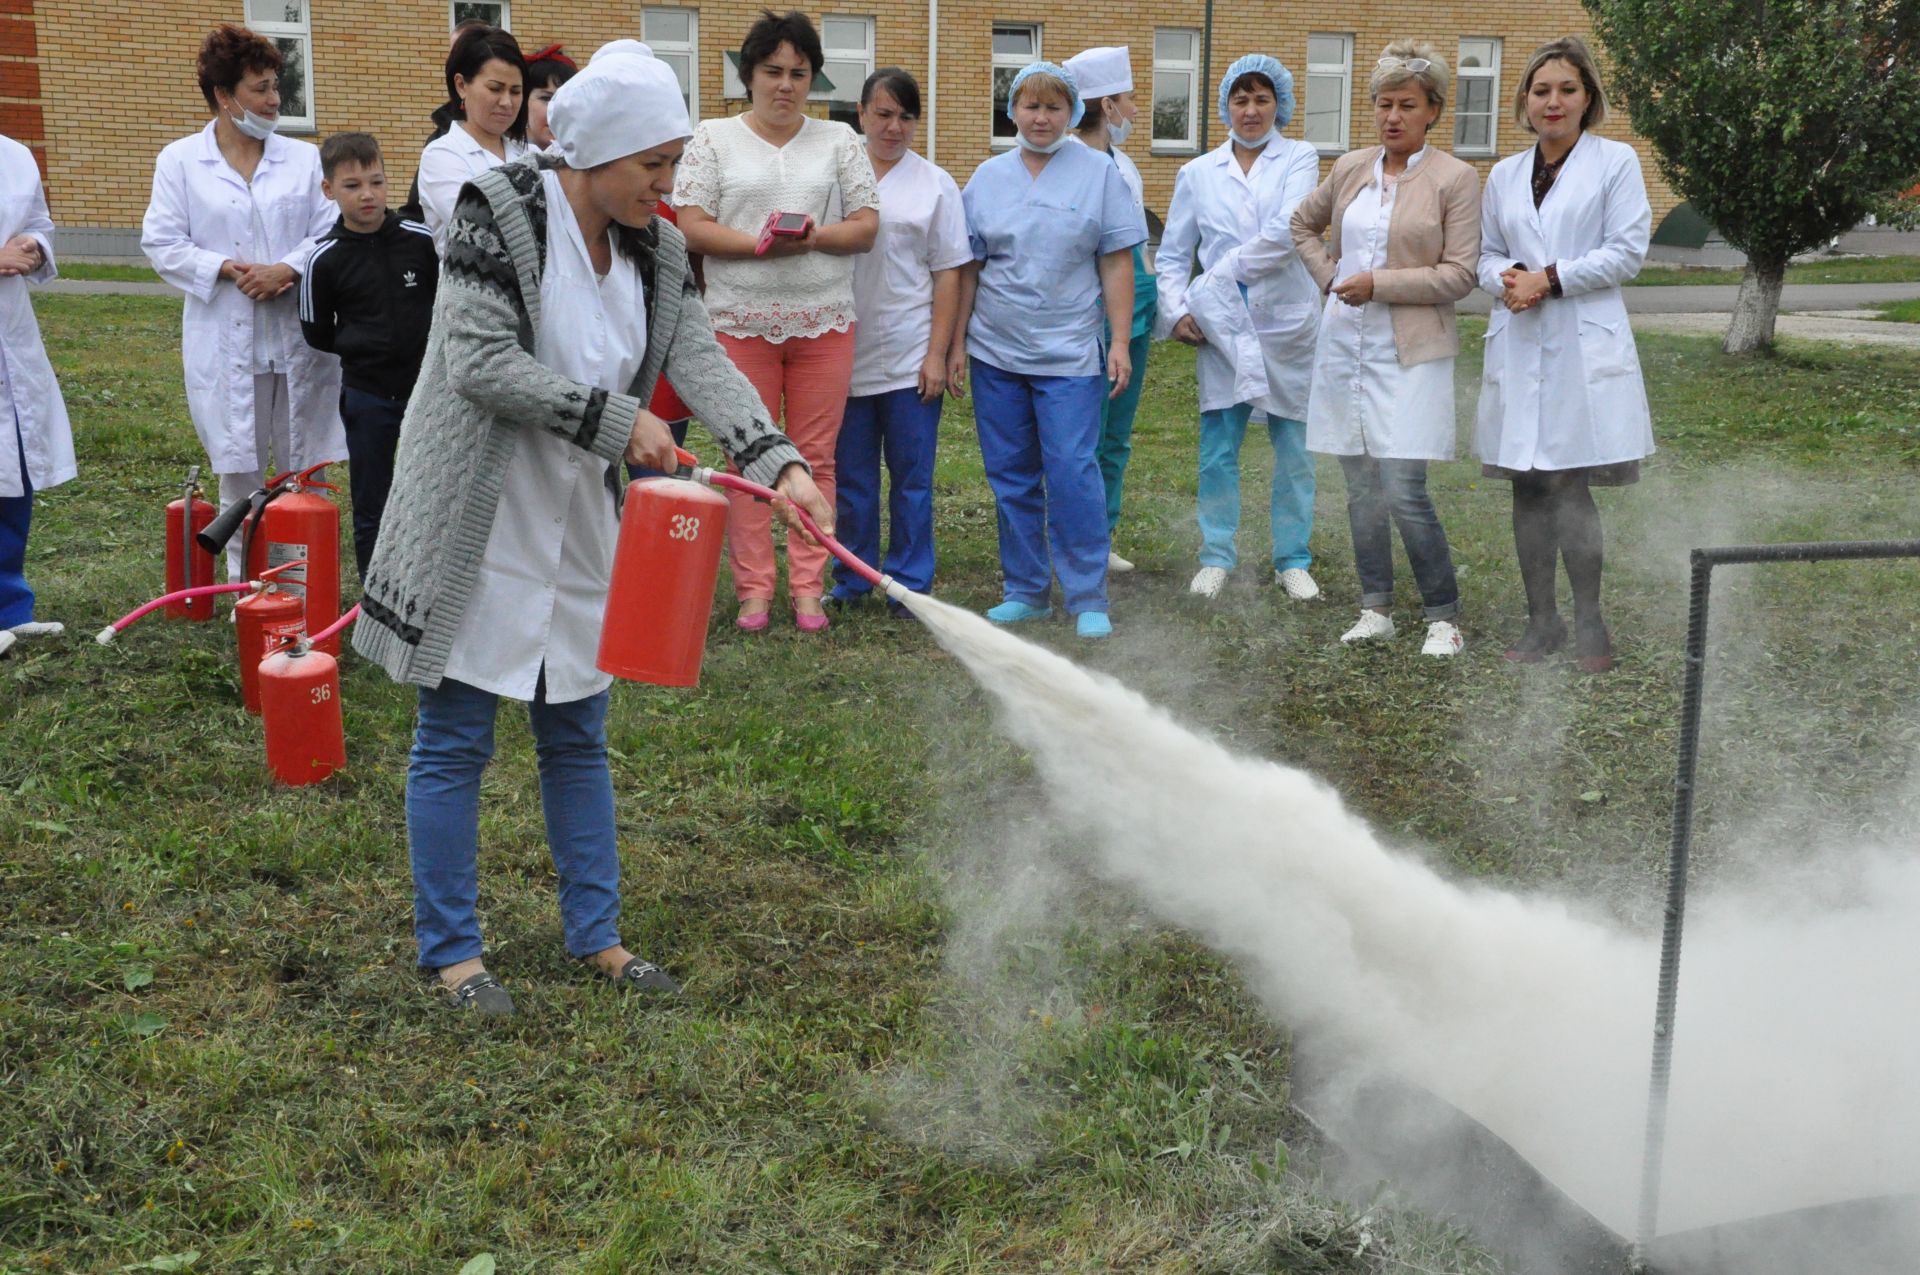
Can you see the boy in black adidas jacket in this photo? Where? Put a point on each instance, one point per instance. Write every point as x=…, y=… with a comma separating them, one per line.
x=367, y=296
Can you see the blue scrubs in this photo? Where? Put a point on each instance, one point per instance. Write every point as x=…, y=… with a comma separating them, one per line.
x=16, y=519
x=898, y=426
x=1039, y=369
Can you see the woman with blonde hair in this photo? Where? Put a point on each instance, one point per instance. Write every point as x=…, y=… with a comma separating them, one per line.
x=1405, y=222
x=1562, y=407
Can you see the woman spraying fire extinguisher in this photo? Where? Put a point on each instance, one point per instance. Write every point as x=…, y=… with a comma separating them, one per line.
x=491, y=572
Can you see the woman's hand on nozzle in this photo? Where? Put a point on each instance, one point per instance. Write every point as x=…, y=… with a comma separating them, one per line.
x=795, y=487
x=651, y=443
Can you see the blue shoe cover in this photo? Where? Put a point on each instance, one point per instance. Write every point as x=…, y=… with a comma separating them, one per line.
x=1013, y=611
x=1093, y=624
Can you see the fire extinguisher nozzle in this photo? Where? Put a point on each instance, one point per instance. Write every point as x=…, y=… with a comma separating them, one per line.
x=214, y=536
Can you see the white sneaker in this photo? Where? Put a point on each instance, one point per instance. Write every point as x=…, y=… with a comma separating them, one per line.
x=1442, y=639
x=1208, y=581
x=1116, y=564
x=38, y=628
x=1370, y=627
x=1298, y=584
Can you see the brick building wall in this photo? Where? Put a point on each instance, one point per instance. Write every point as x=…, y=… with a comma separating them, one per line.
x=376, y=65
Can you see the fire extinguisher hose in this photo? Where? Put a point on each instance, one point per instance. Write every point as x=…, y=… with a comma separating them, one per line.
x=353, y=613
x=105, y=636
x=733, y=482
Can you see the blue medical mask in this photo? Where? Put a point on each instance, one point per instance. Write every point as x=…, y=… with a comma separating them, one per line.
x=1118, y=130
x=258, y=127
x=1048, y=149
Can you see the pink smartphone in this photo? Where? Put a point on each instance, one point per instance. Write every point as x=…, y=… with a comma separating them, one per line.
x=781, y=223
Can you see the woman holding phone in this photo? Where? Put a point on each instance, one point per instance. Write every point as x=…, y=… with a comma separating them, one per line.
x=782, y=303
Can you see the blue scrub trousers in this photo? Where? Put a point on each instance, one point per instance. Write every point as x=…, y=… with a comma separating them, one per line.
x=16, y=517
x=1039, y=436
x=1290, y=505
x=451, y=747
x=898, y=427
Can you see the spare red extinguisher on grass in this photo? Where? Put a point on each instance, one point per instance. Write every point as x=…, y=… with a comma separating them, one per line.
x=300, y=708
x=264, y=622
x=285, y=521
x=188, y=565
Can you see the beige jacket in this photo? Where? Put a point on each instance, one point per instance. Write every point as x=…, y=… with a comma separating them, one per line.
x=1433, y=245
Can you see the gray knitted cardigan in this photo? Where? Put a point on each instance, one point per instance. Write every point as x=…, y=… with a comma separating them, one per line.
x=482, y=383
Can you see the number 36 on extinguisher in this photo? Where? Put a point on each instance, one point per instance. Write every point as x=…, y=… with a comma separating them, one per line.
x=684, y=528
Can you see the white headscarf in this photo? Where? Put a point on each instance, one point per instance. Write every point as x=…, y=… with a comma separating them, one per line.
x=624, y=101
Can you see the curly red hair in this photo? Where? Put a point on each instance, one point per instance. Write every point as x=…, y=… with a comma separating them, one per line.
x=229, y=54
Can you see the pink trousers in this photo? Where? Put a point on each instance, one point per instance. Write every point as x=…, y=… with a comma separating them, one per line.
x=811, y=374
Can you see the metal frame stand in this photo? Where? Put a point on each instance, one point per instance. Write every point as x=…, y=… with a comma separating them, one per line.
x=1704, y=561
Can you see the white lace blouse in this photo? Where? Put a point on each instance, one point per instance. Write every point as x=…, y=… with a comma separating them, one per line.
x=738, y=177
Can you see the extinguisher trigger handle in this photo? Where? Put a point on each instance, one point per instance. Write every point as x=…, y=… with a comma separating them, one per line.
x=267, y=576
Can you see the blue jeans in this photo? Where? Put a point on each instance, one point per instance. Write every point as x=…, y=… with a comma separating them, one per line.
x=1382, y=494
x=895, y=425
x=1290, y=507
x=451, y=747
x=1038, y=437
x=1116, y=428
x=16, y=518
x=372, y=423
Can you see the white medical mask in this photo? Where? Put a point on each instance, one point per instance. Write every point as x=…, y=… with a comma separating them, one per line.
x=1118, y=130
x=1048, y=149
x=259, y=128
x=1271, y=134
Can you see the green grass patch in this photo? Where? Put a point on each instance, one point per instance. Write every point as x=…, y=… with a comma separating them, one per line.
x=107, y=272
x=1836, y=270
x=894, y=1053
x=1901, y=311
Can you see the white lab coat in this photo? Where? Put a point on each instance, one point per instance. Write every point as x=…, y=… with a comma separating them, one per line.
x=201, y=216
x=1365, y=401
x=1238, y=223
x=29, y=394
x=449, y=162
x=1562, y=387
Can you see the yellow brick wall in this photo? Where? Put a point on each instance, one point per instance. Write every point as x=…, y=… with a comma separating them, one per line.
x=376, y=66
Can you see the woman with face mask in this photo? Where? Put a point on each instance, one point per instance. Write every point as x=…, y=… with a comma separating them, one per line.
x=1562, y=406
x=562, y=303
x=1405, y=241
x=236, y=212
x=1106, y=83
x=486, y=96
x=1261, y=347
x=908, y=291
x=1052, y=226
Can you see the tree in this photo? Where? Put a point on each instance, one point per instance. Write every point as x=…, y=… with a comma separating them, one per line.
x=1784, y=122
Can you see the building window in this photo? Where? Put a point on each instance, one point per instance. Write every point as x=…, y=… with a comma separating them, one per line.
x=1176, y=89
x=495, y=13
x=1014, y=47
x=848, y=47
x=287, y=24
x=674, y=37
x=1329, y=91
x=1476, y=108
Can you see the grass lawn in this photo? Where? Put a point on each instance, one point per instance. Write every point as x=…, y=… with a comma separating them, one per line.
x=1837, y=270
x=1901, y=311
x=107, y=272
x=213, y=1040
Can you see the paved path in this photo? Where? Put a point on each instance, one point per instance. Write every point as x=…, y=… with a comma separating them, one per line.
x=1717, y=298
x=1848, y=327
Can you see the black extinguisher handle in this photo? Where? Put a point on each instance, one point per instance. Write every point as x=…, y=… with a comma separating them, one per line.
x=215, y=535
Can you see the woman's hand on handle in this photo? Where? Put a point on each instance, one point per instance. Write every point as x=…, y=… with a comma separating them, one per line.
x=796, y=488
x=651, y=443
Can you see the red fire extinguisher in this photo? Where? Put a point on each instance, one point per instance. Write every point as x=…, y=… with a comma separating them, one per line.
x=664, y=570
x=300, y=708
x=287, y=520
x=263, y=623
x=188, y=565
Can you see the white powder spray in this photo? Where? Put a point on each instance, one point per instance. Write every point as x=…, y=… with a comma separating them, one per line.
x=1798, y=1041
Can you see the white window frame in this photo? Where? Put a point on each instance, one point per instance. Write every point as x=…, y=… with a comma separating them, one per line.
x=505, y=7
x=688, y=49
x=1344, y=70
x=1189, y=68
x=1002, y=61
x=1490, y=73
x=843, y=93
x=301, y=31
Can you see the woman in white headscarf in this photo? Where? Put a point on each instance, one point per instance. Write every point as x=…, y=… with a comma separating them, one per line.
x=36, y=443
x=563, y=300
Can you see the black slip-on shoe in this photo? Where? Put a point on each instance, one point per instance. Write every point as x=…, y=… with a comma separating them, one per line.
x=645, y=976
x=481, y=994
